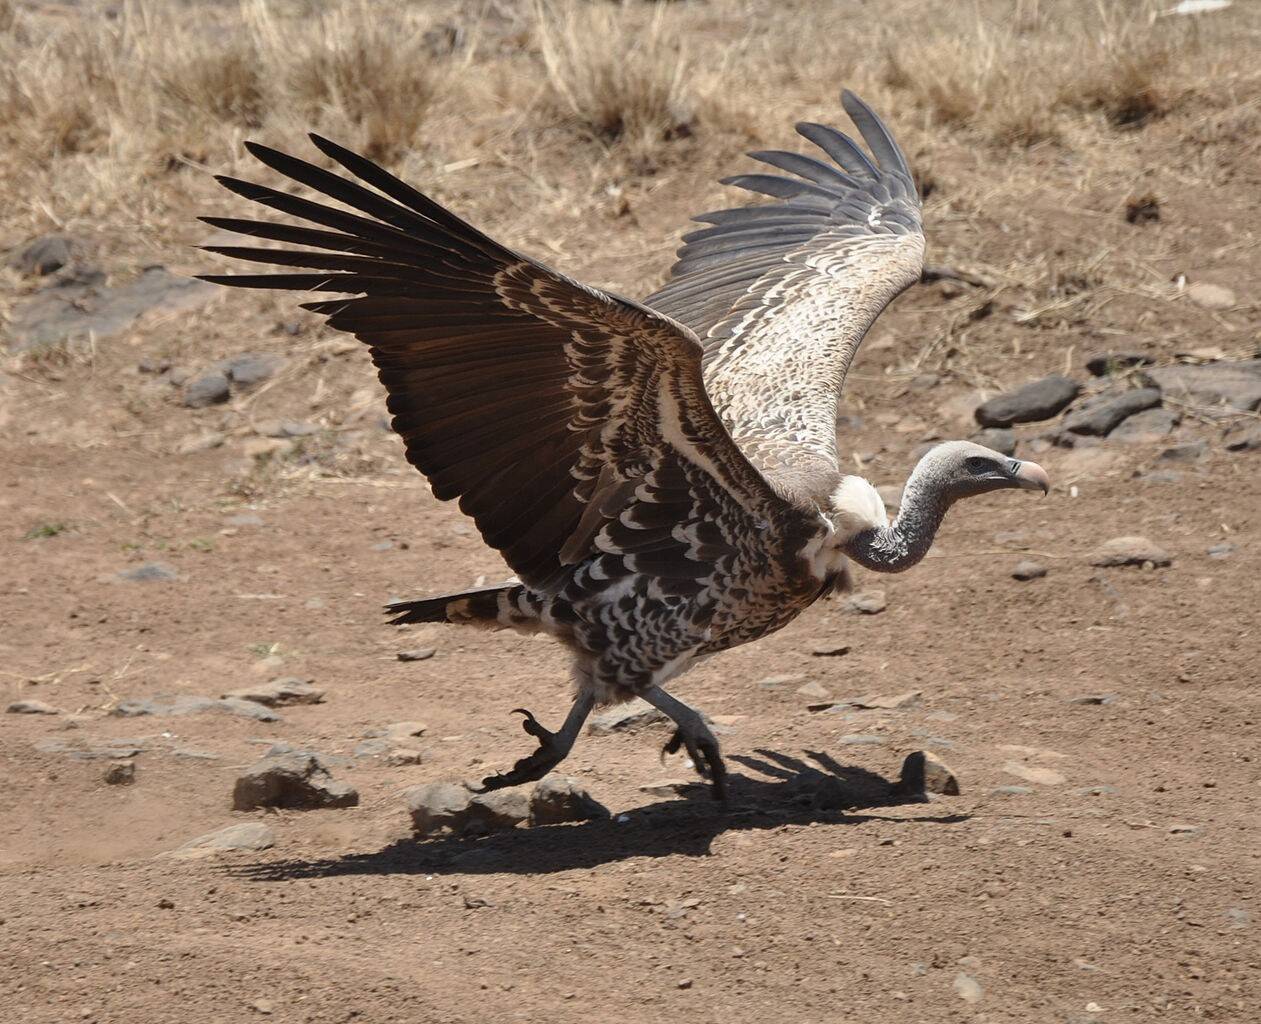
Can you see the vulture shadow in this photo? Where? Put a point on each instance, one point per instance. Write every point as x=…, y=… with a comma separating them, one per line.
x=797, y=793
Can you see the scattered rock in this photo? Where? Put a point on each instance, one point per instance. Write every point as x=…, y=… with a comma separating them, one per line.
x=298, y=780
x=813, y=690
x=418, y=654
x=112, y=750
x=41, y=256
x=437, y=806
x=1211, y=296
x=120, y=773
x=1191, y=451
x=201, y=443
x=1232, y=385
x=1031, y=773
x=496, y=810
x=84, y=306
x=164, y=704
x=150, y=572
x=209, y=388
x=1099, y=415
x=1095, y=699
x=997, y=439
x=1106, y=363
x=1144, y=209
x=1220, y=551
x=634, y=714
x=1129, y=551
x=193, y=754
x=861, y=739
x=32, y=707
x=827, y=650
x=877, y=702
x=400, y=756
x=249, y=836
x=250, y=368
x=559, y=798
x=1039, y=400
x=1011, y=791
x=279, y=693
x=969, y=988
x=1028, y=570
x=1146, y=427
x=1183, y=830
x=1245, y=438
x=924, y=772
x=1096, y=791
x=286, y=428
x=867, y=602
x=1160, y=476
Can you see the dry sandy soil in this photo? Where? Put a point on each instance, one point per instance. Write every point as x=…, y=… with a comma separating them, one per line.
x=1102, y=861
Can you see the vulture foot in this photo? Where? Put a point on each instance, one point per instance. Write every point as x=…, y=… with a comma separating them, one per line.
x=705, y=755
x=554, y=747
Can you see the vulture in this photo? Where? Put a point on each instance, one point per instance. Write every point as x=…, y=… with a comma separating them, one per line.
x=662, y=476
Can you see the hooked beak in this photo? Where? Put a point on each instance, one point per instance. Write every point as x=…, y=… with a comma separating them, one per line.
x=1032, y=477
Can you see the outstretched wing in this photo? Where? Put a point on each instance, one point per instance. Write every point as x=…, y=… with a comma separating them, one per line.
x=782, y=294
x=538, y=402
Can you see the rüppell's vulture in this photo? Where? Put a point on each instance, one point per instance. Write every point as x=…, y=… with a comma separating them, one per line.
x=661, y=476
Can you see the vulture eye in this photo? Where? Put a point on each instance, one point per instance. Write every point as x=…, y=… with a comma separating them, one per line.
x=978, y=464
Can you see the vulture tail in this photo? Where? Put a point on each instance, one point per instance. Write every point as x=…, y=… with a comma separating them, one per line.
x=505, y=604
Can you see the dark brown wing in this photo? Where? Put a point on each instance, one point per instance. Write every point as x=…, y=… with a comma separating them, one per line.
x=538, y=402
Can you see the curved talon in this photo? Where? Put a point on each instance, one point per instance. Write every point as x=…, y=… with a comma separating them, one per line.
x=705, y=757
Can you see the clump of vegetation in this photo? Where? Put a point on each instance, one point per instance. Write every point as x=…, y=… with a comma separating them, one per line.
x=42, y=530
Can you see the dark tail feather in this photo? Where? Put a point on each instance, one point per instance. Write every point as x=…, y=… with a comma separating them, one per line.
x=480, y=605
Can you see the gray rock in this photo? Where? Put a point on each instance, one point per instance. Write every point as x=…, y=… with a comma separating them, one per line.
x=398, y=732
x=1245, y=438
x=497, y=810
x=150, y=572
x=813, y=690
x=201, y=443
x=1160, y=476
x=120, y=773
x=1105, y=363
x=1097, y=699
x=996, y=438
x=1099, y=415
x=280, y=692
x=299, y=780
x=417, y=654
x=193, y=754
x=400, y=756
x=81, y=307
x=110, y=751
x=1011, y=791
x=248, y=836
x=437, y=806
x=830, y=650
x=861, y=739
x=634, y=714
x=1028, y=570
x=1222, y=550
x=209, y=388
x=1211, y=296
x=559, y=798
x=1129, y=551
x=968, y=988
x=250, y=368
x=1228, y=385
x=1039, y=400
x=32, y=707
x=286, y=428
x=1191, y=451
x=377, y=746
x=1095, y=791
x=164, y=704
x=924, y=772
x=1147, y=427
x=867, y=602
x=41, y=256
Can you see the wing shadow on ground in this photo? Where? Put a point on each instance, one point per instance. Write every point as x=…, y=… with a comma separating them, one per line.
x=796, y=791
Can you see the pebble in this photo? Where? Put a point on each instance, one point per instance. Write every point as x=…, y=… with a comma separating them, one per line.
x=149, y=572
x=1031, y=773
x=813, y=690
x=830, y=650
x=1191, y=451
x=1244, y=438
x=120, y=773
x=924, y=772
x=41, y=256
x=1220, y=551
x=1105, y=363
x=298, y=780
x=32, y=707
x=1147, y=427
x=1011, y=791
x=1039, y=400
x=201, y=443
x=968, y=988
x=250, y=368
x=281, y=692
x=164, y=704
x=1133, y=550
x=1095, y=791
x=861, y=740
x=634, y=714
x=417, y=654
x=1028, y=570
x=867, y=602
x=560, y=798
x=891, y=702
x=1094, y=698
x=209, y=388
x=249, y=836
x=436, y=806
x=1211, y=296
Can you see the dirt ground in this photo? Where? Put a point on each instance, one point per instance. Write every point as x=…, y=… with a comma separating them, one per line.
x=1101, y=863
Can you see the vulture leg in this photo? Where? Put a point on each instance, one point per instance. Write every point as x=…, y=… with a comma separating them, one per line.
x=554, y=747
x=694, y=735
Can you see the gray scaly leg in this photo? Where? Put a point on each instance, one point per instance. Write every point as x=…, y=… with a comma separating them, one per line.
x=694, y=735
x=554, y=747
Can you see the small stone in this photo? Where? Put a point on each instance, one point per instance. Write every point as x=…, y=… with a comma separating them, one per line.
x=201, y=443
x=1245, y=438
x=861, y=739
x=559, y=798
x=996, y=439
x=1099, y=415
x=685, y=983
x=1144, y=209
x=437, y=806
x=1230, y=386
x=263, y=1006
x=150, y=572
x=813, y=690
x=1097, y=699
x=1095, y=791
x=298, y=780
x=1028, y=570
x=634, y=714
x=41, y=256
x=498, y=809
x=1220, y=551
x=1039, y=400
x=1183, y=830
x=401, y=756
x=286, y=428
x=1147, y=427
x=1191, y=451
x=209, y=388
x=1211, y=296
x=968, y=988
x=1031, y=773
x=826, y=650
x=867, y=602
x=1106, y=363
x=1011, y=791
x=1129, y=551
x=280, y=692
x=924, y=772
x=251, y=368
x=120, y=773
x=184, y=705
x=417, y=654
x=32, y=707
x=891, y=702
x=250, y=836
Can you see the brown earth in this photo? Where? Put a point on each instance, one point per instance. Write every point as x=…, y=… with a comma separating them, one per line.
x=1119, y=881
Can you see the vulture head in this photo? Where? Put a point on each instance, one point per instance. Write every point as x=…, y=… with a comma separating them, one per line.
x=947, y=473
